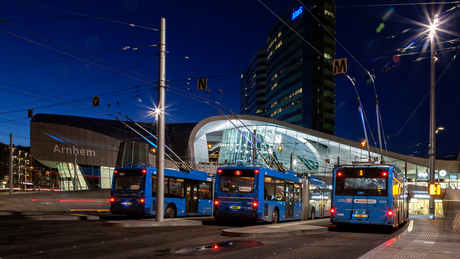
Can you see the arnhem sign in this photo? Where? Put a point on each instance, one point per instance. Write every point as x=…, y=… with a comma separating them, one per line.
x=74, y=151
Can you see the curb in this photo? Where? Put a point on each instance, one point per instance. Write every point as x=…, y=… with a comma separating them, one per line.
x=152, y=223
x=62, y=217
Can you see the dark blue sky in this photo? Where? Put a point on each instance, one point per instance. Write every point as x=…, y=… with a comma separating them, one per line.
x=55, y=56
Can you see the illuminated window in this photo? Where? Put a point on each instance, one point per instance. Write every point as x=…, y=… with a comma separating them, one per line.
x=279, y=45
x=326, y=12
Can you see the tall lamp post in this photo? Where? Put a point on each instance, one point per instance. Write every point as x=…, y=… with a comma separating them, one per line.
x=432, y=145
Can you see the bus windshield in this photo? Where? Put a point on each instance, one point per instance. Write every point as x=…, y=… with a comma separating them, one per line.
x=237, y=181
x=129, y=180
x=361, y=181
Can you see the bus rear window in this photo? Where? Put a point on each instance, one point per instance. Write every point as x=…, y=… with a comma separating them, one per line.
x=362, y=181
x=129, y=180
x=237, y=181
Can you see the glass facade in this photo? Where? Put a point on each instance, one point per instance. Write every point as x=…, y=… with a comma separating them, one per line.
x=87, y=177
x=306, y=151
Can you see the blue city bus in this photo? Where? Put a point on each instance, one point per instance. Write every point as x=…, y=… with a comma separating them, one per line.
x=369, y=195
x=185, y=193
x=257, y=193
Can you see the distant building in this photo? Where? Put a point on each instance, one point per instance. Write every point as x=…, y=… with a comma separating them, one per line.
x=87, y=148
x=300, y=82
x=254, y=86
x=28, y=174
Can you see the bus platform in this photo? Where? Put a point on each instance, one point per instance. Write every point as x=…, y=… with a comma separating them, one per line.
x=423, y=238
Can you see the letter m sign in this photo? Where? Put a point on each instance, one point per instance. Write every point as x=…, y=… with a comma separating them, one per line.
x=340, y=66
x=202, y=83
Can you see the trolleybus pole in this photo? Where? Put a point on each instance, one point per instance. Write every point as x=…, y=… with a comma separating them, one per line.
x=161, y=124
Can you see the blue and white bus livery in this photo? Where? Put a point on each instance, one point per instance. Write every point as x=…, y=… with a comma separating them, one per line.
x=185, y=193
x=258, y=193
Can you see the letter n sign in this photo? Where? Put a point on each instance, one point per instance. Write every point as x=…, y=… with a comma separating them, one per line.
x=340, y=66
x=202, y=83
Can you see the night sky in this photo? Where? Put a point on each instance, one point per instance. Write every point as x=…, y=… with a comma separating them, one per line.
x=56, y=55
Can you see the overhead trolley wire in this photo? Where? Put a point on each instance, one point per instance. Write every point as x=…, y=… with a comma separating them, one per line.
x=89, y=16
x=74, y=51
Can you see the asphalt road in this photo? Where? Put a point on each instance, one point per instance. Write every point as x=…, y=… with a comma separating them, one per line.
x=91, y=239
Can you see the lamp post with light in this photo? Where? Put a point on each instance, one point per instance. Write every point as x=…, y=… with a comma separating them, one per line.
x=432, y=145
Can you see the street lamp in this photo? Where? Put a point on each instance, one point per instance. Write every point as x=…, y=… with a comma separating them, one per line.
x=432, y=145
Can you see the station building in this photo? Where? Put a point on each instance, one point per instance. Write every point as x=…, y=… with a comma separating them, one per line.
x=84, y=150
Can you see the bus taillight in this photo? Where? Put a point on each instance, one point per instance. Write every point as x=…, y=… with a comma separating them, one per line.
x=216, y=204
x=115, y=171
x=142, y=200
x=332, y=210
x=385, y=173
x=254, y=206
x=112, y=199
x=390, y=213
x=219, y=171
x=339, y=173
x=144, y=171
x=256, y=171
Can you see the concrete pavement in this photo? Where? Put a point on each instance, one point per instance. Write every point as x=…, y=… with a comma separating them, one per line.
x=423, y=238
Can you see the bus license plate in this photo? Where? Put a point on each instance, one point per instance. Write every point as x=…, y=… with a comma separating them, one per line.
x=126, y=203
x=360, y=216
x=235, y=207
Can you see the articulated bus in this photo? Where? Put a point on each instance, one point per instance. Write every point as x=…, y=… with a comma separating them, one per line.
x=257, y=193
x=369, y=195
x=185, y=193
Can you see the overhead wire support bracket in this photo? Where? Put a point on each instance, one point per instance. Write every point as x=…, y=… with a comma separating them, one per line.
x=183, y=165
x=131, y=128
x=246, y=137
x=278, y=164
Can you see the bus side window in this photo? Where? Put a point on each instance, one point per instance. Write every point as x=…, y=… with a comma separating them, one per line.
x=269, y=189
x=279, y=194
x=205, y=191
x=166, y=185
x=176, y=187
x=297, y=193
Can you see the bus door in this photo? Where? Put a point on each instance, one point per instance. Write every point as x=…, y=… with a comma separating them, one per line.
x=321, y=203
x=191, y=197
x=289, y=200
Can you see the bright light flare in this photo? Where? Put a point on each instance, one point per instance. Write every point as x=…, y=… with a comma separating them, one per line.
x=432, y=28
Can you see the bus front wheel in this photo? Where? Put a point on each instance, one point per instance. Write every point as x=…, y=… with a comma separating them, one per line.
x=170, y=211
x=275, y=216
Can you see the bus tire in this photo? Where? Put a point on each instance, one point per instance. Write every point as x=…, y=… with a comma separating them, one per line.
x=275, y=216
x=170, y=211
x=313, y=213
